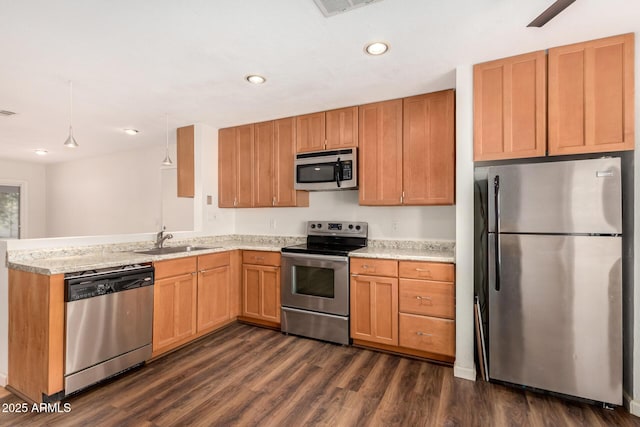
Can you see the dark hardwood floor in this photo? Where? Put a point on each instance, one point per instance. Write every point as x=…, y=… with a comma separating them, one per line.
x=248, y=376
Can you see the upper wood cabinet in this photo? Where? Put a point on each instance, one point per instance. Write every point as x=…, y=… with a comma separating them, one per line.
x=591, y=90
x=341, y=128
x=236, y=166
x=428, y=149
x=185, y=161
x=380, y=153
x=407, y=151
x=274, y=155
x=264, y=177
x=509, y=107
x=310, y=132
x=255, y=166
x=327, y=130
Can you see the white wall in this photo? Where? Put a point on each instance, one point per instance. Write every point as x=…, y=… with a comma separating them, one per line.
x=393, y=222
x=33, y=178
x=112, y=194
x=213, y=220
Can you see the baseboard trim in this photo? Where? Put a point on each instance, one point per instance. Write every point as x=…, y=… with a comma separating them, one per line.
x=634, y=407
x=465, y=373
x=3, y=379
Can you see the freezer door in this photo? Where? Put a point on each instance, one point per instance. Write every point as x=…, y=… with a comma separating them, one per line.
x=575, y=197
x=556, y=322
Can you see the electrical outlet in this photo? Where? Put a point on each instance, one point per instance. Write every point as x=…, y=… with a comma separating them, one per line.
x=394, y=225
x=272, y=224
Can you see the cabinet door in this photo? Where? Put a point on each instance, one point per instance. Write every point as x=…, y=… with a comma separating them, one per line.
x=251, y=298
x=227, y=170
x=509, y=107
x=263, y=178
x=310, y=132
x=283, y=157
x=374, y=309
x=185, y=161
x=428, y=145
x=174, y=310
x=591, y=90
x=213, y=297
x=261, y=292
x=245, y=166
x=342, y=128
x=380, y=153
x=270, y=293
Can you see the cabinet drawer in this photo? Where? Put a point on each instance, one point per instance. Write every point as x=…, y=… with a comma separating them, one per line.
x=427, y=334
x=374, y=267
x=175, y=267
x=427, y=298
x=427, y=270
x=261, y=258
x=210, y=261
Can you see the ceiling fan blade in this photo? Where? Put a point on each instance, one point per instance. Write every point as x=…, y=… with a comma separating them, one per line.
x=550, y=13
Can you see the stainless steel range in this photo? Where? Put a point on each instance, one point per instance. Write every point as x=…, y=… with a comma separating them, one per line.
x=315, y=280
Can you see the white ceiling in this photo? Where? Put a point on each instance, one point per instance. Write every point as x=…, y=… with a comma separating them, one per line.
x=134, y=61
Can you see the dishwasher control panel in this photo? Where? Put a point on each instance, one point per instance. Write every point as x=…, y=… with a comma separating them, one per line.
x=79, y=286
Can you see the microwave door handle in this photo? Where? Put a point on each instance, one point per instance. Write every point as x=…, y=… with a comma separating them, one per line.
x=336, y=171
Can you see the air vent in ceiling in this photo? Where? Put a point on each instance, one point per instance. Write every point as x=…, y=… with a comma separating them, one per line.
x=6, y=113
x=333, y=7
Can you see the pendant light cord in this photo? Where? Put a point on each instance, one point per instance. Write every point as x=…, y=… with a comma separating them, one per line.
x=70, y=104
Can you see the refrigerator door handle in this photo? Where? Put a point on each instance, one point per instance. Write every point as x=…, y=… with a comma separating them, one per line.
x=496, y=202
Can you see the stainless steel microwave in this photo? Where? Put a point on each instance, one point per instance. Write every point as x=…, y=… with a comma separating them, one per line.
x=327, y=170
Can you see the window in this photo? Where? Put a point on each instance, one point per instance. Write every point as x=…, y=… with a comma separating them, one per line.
x=9, y=211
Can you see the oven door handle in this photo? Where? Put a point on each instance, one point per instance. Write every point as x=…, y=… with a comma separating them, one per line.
x=334, y=258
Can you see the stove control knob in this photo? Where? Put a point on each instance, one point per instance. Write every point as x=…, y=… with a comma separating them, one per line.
x=319, y=225
x=350, y=226
x=358, y=227
x=313, y=226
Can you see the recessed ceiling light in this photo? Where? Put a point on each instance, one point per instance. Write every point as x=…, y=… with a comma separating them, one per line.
x=255, y=79
x=131, y=131
x=41, y=152
x=376, y=48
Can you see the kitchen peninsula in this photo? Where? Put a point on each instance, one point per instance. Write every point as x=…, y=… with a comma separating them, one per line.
x=36, y=286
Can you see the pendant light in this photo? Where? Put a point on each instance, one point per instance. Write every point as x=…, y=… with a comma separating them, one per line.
x=71, y=141
x=167, y=160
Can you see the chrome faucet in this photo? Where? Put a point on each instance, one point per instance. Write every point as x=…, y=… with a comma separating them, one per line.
x=161, y=237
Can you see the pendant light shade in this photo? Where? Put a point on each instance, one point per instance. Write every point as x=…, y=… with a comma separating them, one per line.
x=71, y=141
x=167, y=160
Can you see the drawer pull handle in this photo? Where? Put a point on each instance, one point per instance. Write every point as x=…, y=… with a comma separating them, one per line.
x=423, y=334
x=427, y=299
x=372, y=267
x=259, y=258
x=424, y=270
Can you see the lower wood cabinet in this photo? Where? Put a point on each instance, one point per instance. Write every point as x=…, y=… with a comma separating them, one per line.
x=193, y=296
x=174, y=302
x=214, y=291
x=261, y=287
x=405, y=307
x=374, y=309
x=36, y=334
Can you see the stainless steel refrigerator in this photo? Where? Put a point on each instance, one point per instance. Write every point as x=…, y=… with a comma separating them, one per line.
x=555, y=277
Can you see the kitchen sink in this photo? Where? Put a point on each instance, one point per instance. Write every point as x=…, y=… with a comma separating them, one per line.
x=175, y=249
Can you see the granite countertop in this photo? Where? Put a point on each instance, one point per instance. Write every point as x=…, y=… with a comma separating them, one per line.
x=67, y=260
x=434, y=251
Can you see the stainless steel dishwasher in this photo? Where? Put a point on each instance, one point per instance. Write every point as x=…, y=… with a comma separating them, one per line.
x=108, y=323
